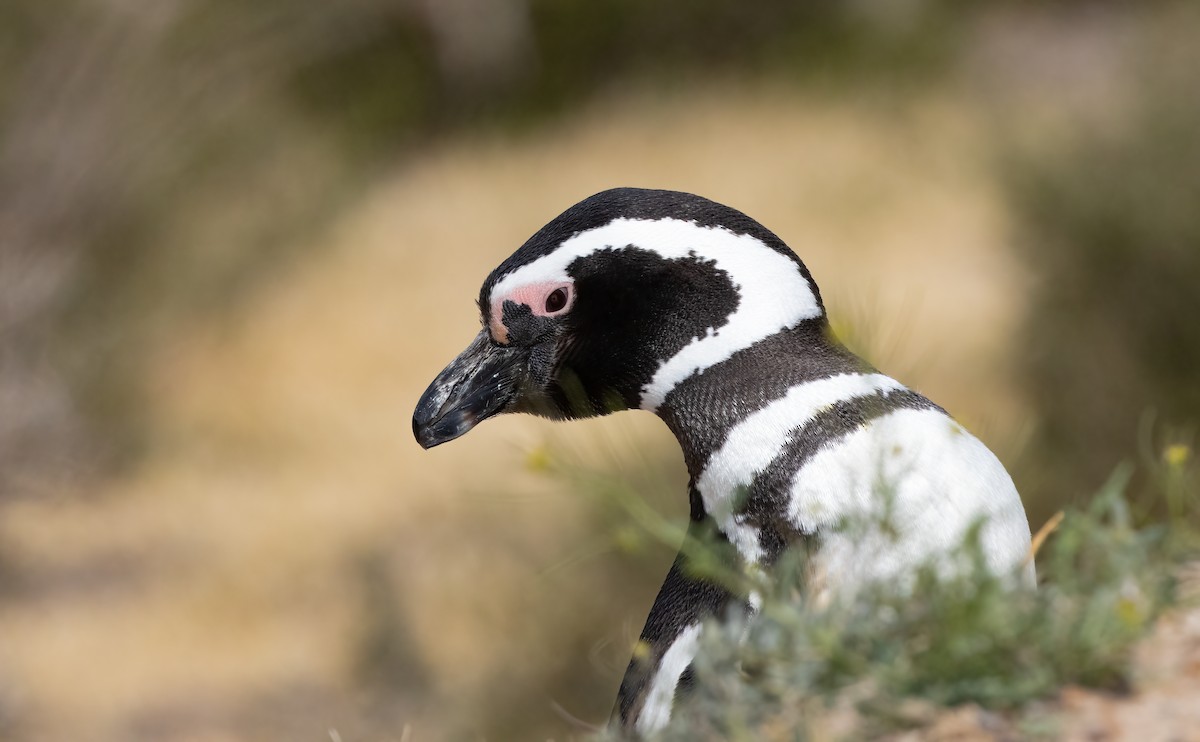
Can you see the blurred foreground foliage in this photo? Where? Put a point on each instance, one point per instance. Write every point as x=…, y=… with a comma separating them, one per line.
x=886, y=659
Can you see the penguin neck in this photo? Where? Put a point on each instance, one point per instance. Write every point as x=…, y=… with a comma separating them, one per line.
x=704, y=408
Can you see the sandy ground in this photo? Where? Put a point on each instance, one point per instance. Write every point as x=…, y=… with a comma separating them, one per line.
x=216, y=590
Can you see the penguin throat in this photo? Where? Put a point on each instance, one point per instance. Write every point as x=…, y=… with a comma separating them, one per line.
x=704, y=409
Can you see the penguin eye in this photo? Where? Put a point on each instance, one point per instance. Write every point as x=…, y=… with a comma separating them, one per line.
x=556, y=300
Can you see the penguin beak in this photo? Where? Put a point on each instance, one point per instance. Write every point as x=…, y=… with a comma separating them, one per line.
x=483, y=381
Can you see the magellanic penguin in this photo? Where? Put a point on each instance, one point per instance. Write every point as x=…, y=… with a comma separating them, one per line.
x=672, y=303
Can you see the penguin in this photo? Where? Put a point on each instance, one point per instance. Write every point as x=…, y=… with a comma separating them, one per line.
x=672, y=303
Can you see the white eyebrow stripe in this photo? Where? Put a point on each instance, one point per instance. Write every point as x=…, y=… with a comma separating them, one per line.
x=773, y=294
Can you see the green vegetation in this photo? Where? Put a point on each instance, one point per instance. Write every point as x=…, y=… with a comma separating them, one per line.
x=966, y=639
x=888, y=659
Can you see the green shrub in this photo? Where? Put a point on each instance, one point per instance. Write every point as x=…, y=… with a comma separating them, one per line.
x=966, y=638
x=950, y=637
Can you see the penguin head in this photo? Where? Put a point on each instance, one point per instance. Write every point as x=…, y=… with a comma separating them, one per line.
x=612, y=304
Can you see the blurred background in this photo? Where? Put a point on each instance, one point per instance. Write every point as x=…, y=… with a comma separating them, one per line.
x=238, y=239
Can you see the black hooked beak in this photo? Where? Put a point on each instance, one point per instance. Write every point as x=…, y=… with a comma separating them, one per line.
x=483, y=381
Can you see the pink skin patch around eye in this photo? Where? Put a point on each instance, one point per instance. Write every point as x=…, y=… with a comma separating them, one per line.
x=533, y=296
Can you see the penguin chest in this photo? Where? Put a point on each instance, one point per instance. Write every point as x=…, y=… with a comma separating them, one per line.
x=879, y=477
x=902, y=491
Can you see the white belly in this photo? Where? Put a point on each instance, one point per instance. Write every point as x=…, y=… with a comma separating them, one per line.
x=928, y=478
